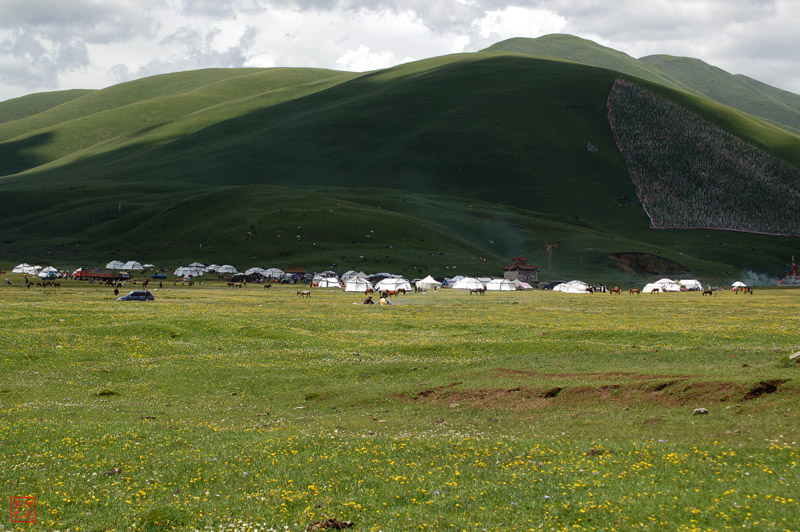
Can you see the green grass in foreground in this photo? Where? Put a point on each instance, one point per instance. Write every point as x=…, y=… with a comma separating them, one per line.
x=214, y=405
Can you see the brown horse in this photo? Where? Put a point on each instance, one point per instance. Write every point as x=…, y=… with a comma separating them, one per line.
x=708, y=292
x=655, y=291
x=635, y=291
x=615, y=290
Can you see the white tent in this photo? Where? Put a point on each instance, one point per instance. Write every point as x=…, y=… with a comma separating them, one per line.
x=357, y=285
x=520, y=285
x=500, y=285
x=197, y=266
x=211, y=268
x=132, y=265
x=393, y=284
x=468, y=283
x=691, y=284
x=26, y=268
x=428, y=283
x=115, y=265
x=738, y=284
x=328, y=282
x=148, y=266
x=48, y=272
x=572, y=287
x=227, y=268
x=663, y=285
x=185, y=271
x=274, y=273
x=255, y=269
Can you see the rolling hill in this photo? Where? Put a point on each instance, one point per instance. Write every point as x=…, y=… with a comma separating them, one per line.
x=448, y=165
x=774, y=105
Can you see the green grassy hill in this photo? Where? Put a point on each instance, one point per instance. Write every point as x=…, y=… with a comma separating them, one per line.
x=444, y=166
x=692, y=75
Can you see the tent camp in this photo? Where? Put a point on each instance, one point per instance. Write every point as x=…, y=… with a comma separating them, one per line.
x=572, y=287
x=663, y=285
x=691, y=284
x=26, y=268
x=467, y=283
x=428, y=283
x=132, y=265
x=394, y=284
x=328, y=282
x=357, y=285
x=115, y=265
x=500, y=285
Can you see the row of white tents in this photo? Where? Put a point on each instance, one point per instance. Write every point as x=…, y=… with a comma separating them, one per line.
x=663, y=285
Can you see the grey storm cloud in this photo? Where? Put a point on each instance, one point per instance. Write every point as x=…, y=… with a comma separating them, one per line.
x=40, y=39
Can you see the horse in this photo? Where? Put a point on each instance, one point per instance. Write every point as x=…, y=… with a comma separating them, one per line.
x=267, y=286
x=708, y=292
x=368, y=291
x=480, y=291
x=615, y=290
x=635, y=291
x=304, y=293
x=655, y=291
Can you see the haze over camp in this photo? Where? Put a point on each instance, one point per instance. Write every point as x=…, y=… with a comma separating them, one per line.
x=477, y=266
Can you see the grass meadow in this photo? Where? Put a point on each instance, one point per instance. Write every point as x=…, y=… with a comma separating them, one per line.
x=222, y=409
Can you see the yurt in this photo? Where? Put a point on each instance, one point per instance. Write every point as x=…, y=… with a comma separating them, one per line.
x=572, y=287
x=500, y=285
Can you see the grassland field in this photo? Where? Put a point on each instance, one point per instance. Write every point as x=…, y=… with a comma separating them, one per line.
x=215, y=408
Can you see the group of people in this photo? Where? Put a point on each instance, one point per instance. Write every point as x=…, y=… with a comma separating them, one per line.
x=690, y=173
x=384, y=300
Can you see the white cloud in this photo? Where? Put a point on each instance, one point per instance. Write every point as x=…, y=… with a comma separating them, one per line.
x=363, y=60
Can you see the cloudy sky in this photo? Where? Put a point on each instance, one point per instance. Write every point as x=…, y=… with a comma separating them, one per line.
x=63, y=44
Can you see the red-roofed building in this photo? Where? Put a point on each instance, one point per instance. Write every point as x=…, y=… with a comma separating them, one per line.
x=519, y=269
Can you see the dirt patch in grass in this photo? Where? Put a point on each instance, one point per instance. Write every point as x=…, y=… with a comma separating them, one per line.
x=632, y=394
x=644, y=263
x=763, y=388
x=595, y=376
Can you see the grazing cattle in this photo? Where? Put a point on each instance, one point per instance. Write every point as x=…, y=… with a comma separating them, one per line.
x=480, y=291
x=655, y=291
x=615, y=290
x=635, y=291
x=304, y=293
x=708, y=292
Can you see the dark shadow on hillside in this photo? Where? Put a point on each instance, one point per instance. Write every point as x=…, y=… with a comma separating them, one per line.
x=15, y=156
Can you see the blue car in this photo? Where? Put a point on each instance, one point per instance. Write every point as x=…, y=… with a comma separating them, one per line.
x=137, y=295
